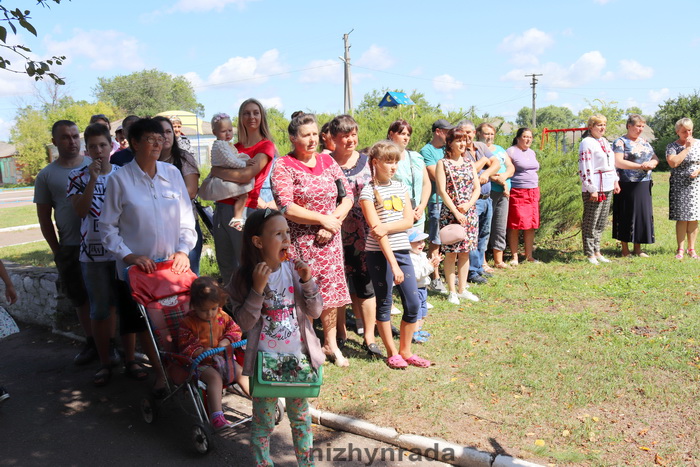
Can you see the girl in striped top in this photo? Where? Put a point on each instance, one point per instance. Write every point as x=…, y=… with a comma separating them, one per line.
x=387, y=208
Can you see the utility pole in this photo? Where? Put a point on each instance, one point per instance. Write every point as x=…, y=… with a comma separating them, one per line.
x=347, y=102
x=534, y=96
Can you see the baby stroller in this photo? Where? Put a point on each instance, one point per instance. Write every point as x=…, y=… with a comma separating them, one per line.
x=163, y=299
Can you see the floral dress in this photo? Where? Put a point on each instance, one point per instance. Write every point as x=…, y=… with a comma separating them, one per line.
x=355, y=228
x=314, y=188
x=684, y=193
x=459, y=181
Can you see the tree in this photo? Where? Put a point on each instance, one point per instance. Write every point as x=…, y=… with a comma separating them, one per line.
x=614, y=115
x=551, y=117
x=37, y=69
x=30, y=135
x=148, y=92
x=664, y=120
x=32, y=130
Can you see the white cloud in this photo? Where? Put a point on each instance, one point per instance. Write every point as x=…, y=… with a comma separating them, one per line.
x=632, y=69
x=416, y=71
x=5, y=128
x=526, y=47
x=187, y=6
x=269, y=102
x=446, y=84
x=323, y=71
x=241, y=70
x=587, y=68
x=659, y=96
x=551, y=96
x=104, y=49
x=14, y=84
x=376, y=57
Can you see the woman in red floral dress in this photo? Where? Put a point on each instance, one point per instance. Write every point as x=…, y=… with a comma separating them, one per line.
x=304, y=186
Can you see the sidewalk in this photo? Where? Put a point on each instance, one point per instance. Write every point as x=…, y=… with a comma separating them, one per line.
x=56, y=417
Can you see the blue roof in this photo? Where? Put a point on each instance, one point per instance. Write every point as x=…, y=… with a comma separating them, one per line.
x=392, y=99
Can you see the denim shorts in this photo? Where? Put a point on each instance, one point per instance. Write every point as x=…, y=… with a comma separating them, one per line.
x=100, y=280
x=434, y=223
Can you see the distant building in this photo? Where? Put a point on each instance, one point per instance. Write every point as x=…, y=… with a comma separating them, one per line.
x=8, y=164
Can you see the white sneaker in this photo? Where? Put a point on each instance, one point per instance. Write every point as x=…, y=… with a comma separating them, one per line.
x=593, y=260
x=467, y=295
x=429, y=305
x=395, y=311
x=453, y=299
x=602, y=259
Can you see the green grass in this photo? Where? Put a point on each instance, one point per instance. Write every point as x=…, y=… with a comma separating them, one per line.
x=21, y=215
x=32, y=254
x=583, y=358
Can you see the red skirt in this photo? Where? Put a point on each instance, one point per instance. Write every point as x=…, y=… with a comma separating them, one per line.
x=524, y=209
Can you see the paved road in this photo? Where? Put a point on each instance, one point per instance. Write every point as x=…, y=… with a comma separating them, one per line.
x=56, y=417
x=18, y=237
x=16, y=197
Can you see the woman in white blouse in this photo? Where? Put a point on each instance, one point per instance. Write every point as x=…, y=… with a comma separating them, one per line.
x=147, y=216
x=596, y=168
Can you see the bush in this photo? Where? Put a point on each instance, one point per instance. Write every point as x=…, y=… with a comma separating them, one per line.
x=560, y=191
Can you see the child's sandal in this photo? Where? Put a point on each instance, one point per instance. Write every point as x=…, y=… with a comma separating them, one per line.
x=103, y=375
x=396, y=362
x=415, y=360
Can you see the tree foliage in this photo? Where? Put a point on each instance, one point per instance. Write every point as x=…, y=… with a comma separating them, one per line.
x=664, y=120
x=614, y=114
x=37, y=69
x=551, y=117
x=32, y=130
x=148, y=92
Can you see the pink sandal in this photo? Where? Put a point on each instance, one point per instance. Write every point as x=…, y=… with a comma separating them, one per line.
x=692, y=254
x=396, y=362
x=679, y=253
x=415, y=360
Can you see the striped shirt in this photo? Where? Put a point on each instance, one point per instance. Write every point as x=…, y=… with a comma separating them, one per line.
x=394, y=196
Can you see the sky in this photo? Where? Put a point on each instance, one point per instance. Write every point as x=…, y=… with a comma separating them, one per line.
x=457, y=53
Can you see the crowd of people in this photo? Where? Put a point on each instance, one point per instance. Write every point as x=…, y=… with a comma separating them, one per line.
x=310, y=232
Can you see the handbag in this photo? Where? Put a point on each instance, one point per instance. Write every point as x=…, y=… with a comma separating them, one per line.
x=452, y=233
x=285, y=375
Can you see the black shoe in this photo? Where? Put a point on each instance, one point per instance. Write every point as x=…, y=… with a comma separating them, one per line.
x=395, y=331
x=486, y=274
x=477, y=280
x=373, y=350
x=87, y=355
x=341, y=342
x=115, y=359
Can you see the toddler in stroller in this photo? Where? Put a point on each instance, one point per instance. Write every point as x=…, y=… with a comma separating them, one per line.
x=163, y=298
x=207, y=327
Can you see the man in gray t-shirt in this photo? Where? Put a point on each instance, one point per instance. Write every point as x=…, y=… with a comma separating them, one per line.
x=50, y=188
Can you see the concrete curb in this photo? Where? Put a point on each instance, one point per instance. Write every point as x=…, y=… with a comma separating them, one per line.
x=434, y=448
x=19, y=228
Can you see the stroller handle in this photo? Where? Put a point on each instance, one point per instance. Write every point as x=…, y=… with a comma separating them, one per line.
x=210, y=352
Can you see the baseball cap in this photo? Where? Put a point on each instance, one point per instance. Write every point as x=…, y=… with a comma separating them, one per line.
x=442, y=124
x=415, y=235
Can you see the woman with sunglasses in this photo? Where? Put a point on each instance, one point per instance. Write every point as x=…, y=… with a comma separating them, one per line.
x=146, y=216
x=306, y=187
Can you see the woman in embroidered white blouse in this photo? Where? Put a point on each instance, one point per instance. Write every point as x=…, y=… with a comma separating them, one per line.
x=599, y=180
